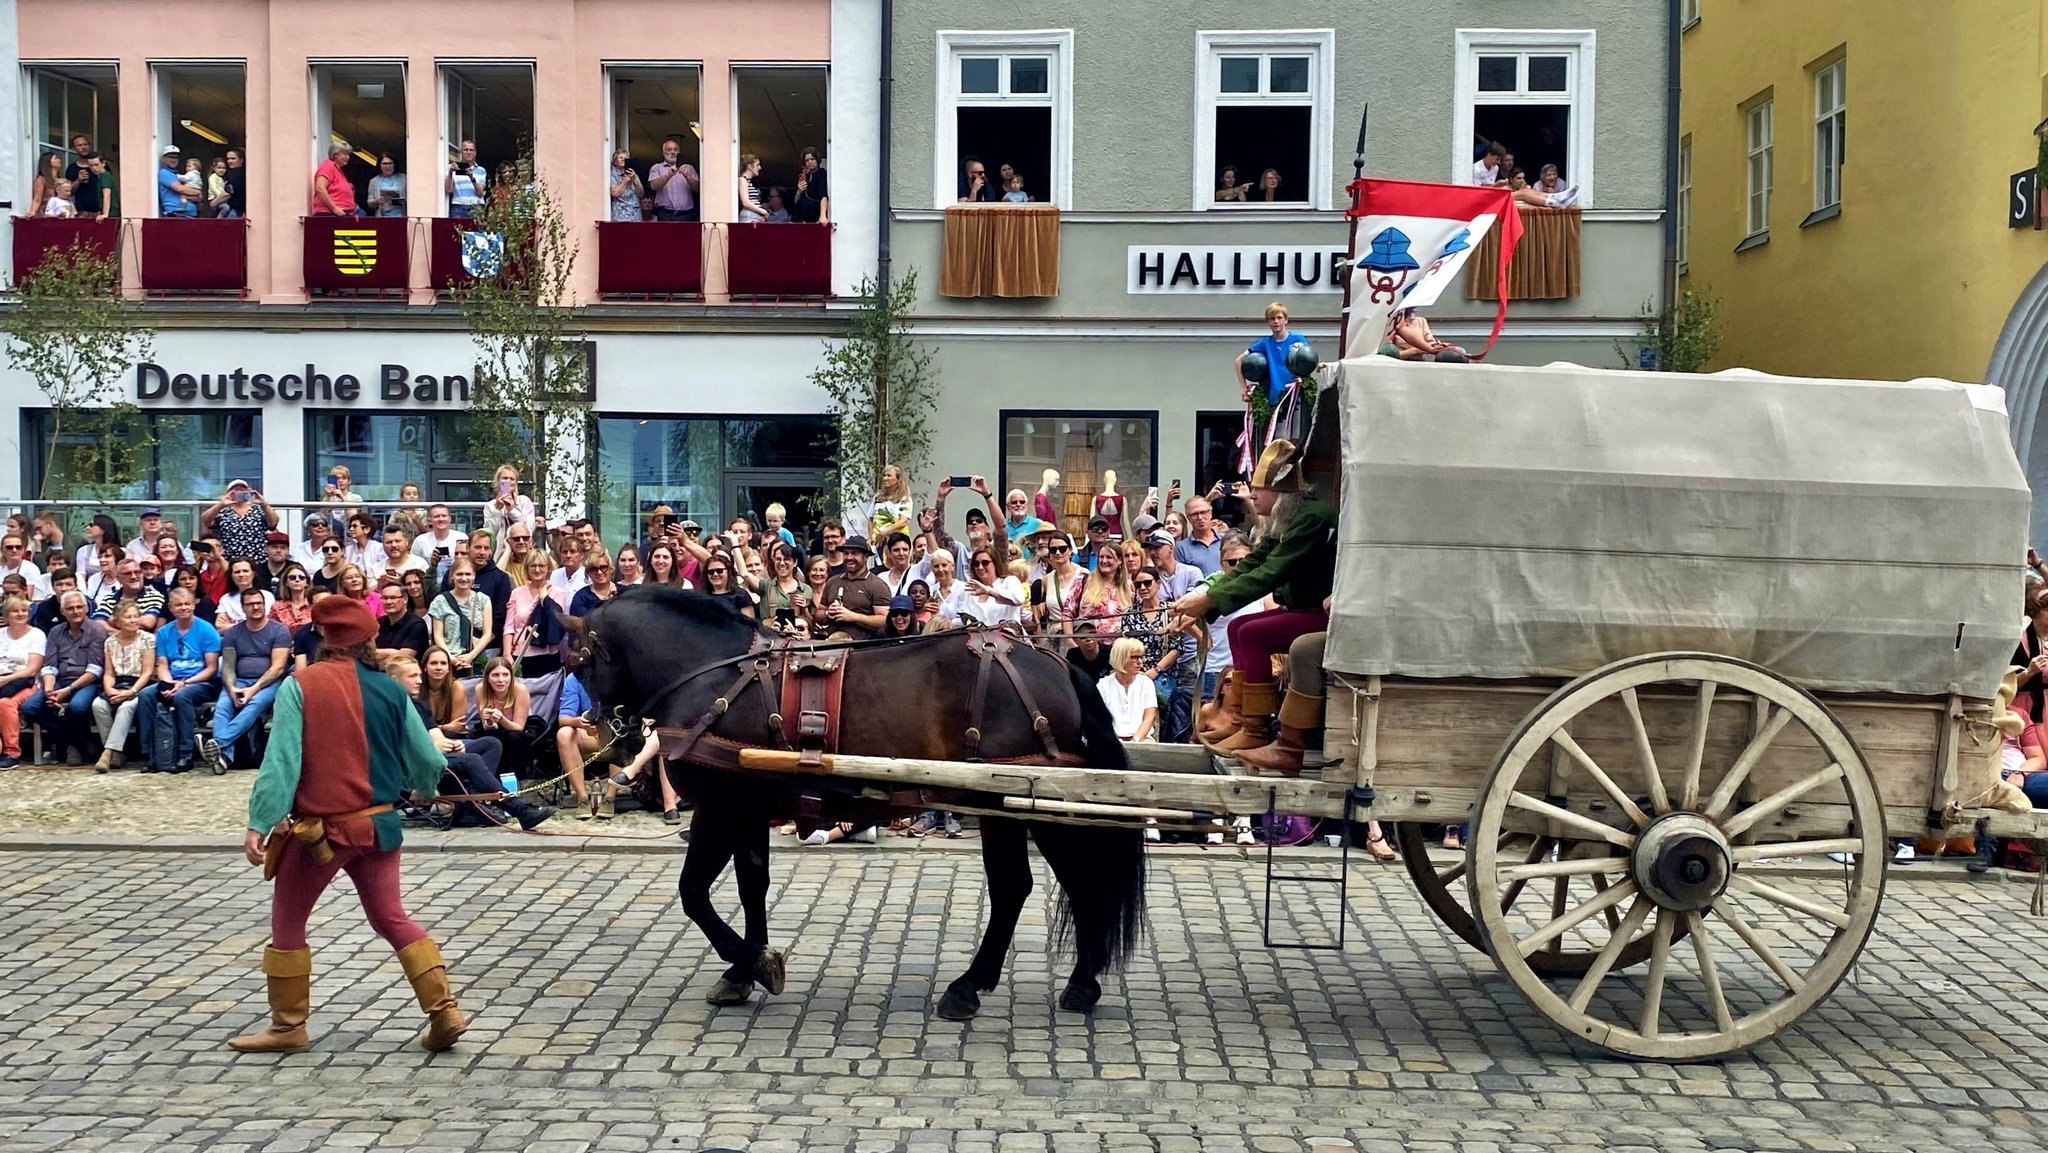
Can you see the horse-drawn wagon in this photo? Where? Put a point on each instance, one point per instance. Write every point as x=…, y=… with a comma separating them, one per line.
x=1642, y=634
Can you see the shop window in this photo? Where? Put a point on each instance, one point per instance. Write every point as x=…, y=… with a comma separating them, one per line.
x=781, y=112
x=201, y=108
x=1532, y=91
x=709, y=469
x=167, y=456
x=1005, y=98
x=386, y=450
x=1264, y=115
x=1082, y=446
x=74, y=102
x=1216, y=436
x=361, y=105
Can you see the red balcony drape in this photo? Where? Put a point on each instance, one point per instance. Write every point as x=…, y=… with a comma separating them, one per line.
x=444, y=251
x=188, y=254
x=779, y=259
x=349, y=253
x=650, y=258
x=37, y=235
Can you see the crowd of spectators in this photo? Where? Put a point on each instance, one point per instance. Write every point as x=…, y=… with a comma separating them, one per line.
x=976, y=187
x=671, y=189
x=1495, y=168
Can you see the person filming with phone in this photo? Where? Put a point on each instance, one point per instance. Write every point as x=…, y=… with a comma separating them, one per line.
x=466, y=183
x=240, y=518
x=673, y=183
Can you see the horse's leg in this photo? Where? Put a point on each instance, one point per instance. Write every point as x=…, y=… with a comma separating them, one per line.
x=713, y=841
x=750, y=869
x=1090, y=864
x=1007, y=867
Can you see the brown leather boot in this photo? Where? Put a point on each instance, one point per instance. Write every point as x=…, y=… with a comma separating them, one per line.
x=429, y=977
x=288, y=974
x=1299, y=716
x=1256, y=704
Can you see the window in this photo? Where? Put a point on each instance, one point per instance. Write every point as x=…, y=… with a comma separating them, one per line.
x=492, y=105
x=1083, y=447
x=200, y=108
x=361, y=105
x=781, y=112
x=387, y=449
x=1830, y=126
x=1684, y=207
x=1531, y=90
x=1216, y=436
x=150, y=455
x=1689, y=13
x=651, y=105
x=1760, y=174
x=1264, y=109
x=687, y=464
x=74, y=101
x=1005, y=98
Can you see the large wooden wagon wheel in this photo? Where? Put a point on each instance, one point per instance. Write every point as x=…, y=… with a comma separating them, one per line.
x=1444, y=890
x=1680, y=857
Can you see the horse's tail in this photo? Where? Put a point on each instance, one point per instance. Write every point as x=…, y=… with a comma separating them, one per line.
x=1100, y=868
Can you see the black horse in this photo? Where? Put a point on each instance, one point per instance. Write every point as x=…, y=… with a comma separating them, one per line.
x=670, y=654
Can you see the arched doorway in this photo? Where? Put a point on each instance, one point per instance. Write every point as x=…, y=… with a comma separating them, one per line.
x=2019, y=365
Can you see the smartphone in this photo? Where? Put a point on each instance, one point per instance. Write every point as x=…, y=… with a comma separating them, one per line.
x=785, y=617
x=1176, y=483
x=960, y=481
x=242, y=497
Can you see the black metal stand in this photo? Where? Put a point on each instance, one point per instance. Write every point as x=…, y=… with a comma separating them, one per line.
x=1342, y=880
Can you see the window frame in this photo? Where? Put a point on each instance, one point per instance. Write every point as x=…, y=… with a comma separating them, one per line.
x=1838, y=68
x=1578, y=43
x=1753, y=227
x=1320, y=44
x=1057, y=44
x=35, y=450
x=1125, y=487
x=1688, y=14
x=1684, y=206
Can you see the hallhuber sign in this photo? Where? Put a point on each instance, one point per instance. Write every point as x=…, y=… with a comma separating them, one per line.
x=394, y=383
x=1250, y=268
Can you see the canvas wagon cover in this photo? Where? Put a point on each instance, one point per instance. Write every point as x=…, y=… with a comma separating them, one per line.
x=1512, y=522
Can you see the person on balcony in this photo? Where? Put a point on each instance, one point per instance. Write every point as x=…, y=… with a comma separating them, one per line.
x=626, y=190
x=333, y=195
x=174, y=197
x=777, y=204
x=750, y=207
x=237, y=178
x=92, y=189
x=674, y=184
x=466, y=183
x=387, y=188
x=49, y=174
x=974, y=185
x=812, y=203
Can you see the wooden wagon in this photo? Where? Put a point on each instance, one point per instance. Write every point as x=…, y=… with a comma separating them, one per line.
x=1640, y=634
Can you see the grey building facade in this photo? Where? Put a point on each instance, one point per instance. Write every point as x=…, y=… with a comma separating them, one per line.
x=1123, y=117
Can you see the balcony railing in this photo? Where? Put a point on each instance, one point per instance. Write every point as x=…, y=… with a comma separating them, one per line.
x=358, y=256
x=36, y=237
x=1546, y=261
x=660, y=260
x=184, y=255
x=1005, y=250
x=778, y=261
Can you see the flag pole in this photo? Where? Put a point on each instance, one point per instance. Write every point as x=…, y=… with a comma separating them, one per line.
x=1351, y=240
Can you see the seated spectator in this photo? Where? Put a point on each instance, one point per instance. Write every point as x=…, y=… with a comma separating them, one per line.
x=925, y=610
x=1088, y=653
x=306, y=638
x=22, y=648
x=399, y=632
x=363, y=549
x=1169, y=652
x=568, y=577
x=48, y=612
x=241, y=579
x=1132, y=701
x=74, y=656
x=901, y=618
x=650, y=750
x=397, y=558
x=413, y=585
x=719, y=584
x=101, y=534
x=128, y=668
x=777, y=204
x=411, y=513
x=474, y=763
x=312, y=553
x=597, y=567
x=442, y=541
x=502, y=706
x=460, y=617
x=212, y=566
x=534, y=633
x=277, y=557
x=578, y=737
x=293, y=606
x=992, y=597
x=255, y=657
x=187, y=679
x=187, y=577
x=387, y=188
x=14, y=558
x=1557, y=194
x=327, y=571
x=1409, y=338
x=130, y=587
x=354, y=585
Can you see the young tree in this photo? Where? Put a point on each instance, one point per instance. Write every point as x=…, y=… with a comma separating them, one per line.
x=882, y=389
x=1687, y=342
x=71, y=332
x=531, y=401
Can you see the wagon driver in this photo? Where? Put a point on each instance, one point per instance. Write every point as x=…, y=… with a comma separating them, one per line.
x=345, y=742
x=1295, y=561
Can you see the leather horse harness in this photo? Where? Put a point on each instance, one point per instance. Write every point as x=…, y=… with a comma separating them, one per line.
x=803, y=683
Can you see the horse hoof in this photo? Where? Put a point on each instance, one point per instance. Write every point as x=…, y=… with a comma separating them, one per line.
x=1080, y=996
x=770, y=971
x=730, y=992
x=961, y=1002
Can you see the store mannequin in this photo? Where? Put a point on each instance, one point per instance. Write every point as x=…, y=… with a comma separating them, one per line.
x=1044, y=505
x=1109, y=504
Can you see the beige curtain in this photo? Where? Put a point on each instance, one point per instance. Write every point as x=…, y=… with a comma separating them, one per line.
x=1008, y=250
x=1546, y=262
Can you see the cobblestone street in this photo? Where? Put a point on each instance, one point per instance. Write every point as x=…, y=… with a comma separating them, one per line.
x=122, y=972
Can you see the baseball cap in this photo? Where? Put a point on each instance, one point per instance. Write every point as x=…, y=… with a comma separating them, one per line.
x=975, y=514
x=152, y=510
x=1144, y=524
x=1159, y=539
x=688, y=524
x=1095, y=522
x=170, y=150
x=902, y=604
x=277, y=538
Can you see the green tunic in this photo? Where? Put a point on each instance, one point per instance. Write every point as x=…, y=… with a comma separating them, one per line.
x=1298, y=569
x=367, y=747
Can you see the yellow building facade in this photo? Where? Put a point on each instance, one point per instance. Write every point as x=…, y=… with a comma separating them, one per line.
x=1906, y=265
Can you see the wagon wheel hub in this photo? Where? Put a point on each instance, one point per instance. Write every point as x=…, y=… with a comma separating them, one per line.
x=1681, y=862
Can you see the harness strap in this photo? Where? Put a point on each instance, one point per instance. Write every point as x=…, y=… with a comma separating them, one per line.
x=758, y=662
x=994, y=646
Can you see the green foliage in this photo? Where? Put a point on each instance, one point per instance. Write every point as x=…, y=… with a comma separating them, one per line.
x=69, y=329
x=1691, y=339
x=883, y=390
x=530, y=404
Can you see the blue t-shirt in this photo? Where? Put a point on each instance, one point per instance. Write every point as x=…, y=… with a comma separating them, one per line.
x=168, y=202
x=1275, y=352
x=575, y=702
x=252, y=648
x=187, y=653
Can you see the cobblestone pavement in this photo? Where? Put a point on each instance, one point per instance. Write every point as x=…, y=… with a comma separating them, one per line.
x=122, y=972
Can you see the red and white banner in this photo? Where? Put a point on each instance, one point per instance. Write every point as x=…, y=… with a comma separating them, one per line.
x=1410, y=241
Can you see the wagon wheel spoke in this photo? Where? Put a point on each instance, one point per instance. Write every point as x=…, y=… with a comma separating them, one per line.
x=1742, y=882
x=1725, y=909
x=1453, y=873
x=1646, y=756
x=1560, y=900
x=1653, y=981
x=1621, y=800
x=1631, y=924
x=1741, y=822
x=1537, y=851
x=1710, y=976
x=1746, y=854
x=1613, y=918
x=1581, y=824
x=1595, y=867
x=1689, y=787
x=1724, y=794
x=1560, y=925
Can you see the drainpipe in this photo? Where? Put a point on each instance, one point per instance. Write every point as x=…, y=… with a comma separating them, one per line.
x=1671, y=131
x=888, y=113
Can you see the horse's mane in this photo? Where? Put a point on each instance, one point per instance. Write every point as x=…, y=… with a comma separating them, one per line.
x=701, y=608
